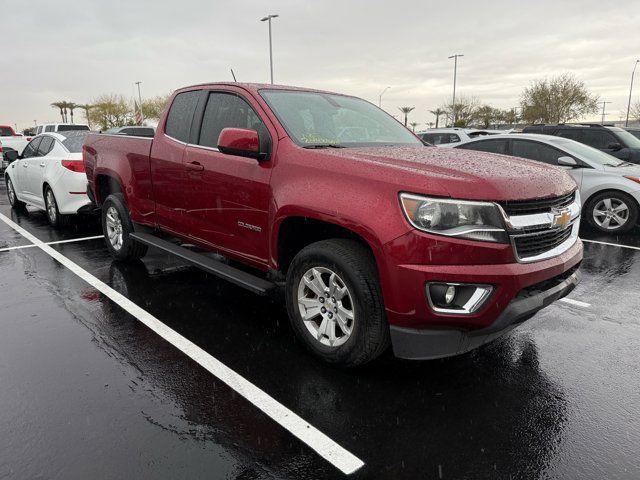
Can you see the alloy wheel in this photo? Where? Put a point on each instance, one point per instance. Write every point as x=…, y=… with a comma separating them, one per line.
x=611, y=213
x=51, y=206
x=326, y=306
x=114, y=228
x=11, y=192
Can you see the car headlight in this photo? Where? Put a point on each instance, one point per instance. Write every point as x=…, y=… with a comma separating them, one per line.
x=480, y=221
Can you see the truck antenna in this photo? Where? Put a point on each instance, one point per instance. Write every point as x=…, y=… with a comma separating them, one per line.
x=234, y=76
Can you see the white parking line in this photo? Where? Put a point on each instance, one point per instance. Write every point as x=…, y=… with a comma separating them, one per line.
x=315, y=439
x=610, y=244
x=71, y=240
x=577, y=303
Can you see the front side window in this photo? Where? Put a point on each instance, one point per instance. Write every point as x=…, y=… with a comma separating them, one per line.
x=32, y=148
x=536, y=151
x=491, y=146
x=5, y=132
x=50, y=128
x=597, y=138
x=180, y=115
x=226, y=110
x=314, y=119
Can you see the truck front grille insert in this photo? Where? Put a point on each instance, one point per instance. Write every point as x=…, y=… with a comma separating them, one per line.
x=531, y=245
x=531, y=207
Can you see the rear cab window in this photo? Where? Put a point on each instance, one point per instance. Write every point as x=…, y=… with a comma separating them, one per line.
x=180, y=117
x=67, y=128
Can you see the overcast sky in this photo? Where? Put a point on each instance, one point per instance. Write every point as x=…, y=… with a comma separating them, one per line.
x=77, y=50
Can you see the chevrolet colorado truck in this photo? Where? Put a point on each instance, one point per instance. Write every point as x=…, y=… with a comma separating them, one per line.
x=375, y=238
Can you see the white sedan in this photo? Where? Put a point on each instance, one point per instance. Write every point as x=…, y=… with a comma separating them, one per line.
x=50, y=175
x=609, y=188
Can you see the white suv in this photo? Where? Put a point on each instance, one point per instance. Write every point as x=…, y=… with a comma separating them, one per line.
x=448, y=137
x=60, y=127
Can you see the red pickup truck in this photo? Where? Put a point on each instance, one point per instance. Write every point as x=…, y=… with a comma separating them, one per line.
x=375, y=237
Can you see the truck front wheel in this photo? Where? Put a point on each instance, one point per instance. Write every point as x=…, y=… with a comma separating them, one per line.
x=335, y=303
x=116, y=227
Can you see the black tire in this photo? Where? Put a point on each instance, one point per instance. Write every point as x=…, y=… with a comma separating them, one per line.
x=356, y=269
x=13, y=200
x=615, y=196
x=54, y=217
x=126, y=249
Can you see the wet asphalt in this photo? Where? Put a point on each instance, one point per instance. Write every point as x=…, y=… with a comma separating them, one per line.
x=87, y=391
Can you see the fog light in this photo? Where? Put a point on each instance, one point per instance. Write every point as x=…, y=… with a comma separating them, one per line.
x=457, y=298
x=451, y=293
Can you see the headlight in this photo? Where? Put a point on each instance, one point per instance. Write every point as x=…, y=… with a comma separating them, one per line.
x=455, y=218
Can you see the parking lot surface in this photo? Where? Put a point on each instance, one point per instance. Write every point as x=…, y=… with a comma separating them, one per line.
x=88, y=391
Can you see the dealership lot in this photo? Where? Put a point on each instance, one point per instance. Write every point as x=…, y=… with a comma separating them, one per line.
x=87, y=387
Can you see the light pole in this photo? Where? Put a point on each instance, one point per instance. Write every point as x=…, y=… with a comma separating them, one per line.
x=604, y=104
x=455, y=75
x=268, y=19
x=626, y=123
x=140, y=102
x=380, y=97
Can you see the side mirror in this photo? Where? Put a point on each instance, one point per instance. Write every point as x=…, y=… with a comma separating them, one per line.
x=11, y=155
x=614, y=146
x=567, y=162
x=240, y=141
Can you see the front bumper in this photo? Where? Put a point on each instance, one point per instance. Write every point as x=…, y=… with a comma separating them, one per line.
x=419, y=344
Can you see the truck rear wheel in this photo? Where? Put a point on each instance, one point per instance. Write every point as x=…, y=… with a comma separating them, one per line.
x=335, y=303
x=116, y=227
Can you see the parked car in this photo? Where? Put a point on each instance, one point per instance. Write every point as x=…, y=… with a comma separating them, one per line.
x=373, y=236
x=133, y=130
x=10, y=140
x=450, y=136
x=50, y=176
x=60, y=127
x=609, y=188
x=613, y=140
x=635, y=131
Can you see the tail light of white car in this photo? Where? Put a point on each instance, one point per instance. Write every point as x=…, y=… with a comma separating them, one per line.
x=74, y=165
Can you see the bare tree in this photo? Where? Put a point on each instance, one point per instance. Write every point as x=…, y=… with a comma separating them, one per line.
x=557, y=100
x=466, y=111
x=406, y=111
x=109, y=111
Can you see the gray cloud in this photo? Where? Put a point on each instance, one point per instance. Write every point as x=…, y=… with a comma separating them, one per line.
x=76, y=50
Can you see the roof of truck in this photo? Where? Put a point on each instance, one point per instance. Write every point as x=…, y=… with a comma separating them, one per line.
x=258, y=86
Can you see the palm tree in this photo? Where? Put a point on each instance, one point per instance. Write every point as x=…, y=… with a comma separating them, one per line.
x=437, y=112
x=59, y=105
x=71, y=106
x=86, y=107
x=413, y=126
x=406, y=111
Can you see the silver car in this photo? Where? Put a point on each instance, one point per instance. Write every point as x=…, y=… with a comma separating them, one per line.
x=609, y=188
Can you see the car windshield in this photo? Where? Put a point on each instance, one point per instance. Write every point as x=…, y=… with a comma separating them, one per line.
x=315, y=119
x=631, y=141
x=589, y=153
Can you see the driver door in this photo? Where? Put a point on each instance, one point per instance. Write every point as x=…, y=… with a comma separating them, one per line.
x=21, y=183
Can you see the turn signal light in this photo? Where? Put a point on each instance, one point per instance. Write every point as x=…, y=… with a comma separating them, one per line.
x=632, y=178
x=74, y=165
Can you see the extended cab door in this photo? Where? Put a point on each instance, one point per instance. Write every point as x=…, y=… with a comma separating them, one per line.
x=167, y=170
x=228, y=196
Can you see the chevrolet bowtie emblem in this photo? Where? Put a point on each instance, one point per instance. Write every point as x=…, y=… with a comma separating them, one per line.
x=561, y=219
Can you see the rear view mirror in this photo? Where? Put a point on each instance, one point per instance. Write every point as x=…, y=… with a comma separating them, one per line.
x=614, y=146
x=240, y=141
x=11, y=155
x=567, y=162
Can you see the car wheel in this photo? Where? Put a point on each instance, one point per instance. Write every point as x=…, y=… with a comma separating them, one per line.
x=116, y=227
x=51, y=206
x=612, y=212
x=11, y=193
x=335, y=303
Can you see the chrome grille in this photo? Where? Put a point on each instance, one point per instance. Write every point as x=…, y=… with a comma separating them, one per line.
x=530, y=207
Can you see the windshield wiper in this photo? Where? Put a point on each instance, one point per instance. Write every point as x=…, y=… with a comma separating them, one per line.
x=325, y=145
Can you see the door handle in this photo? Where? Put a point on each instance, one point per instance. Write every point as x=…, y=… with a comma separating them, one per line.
x=25, y=165
x=42, y=165
x=194, y=166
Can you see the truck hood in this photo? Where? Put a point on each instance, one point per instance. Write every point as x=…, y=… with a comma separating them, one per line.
x=464, y=174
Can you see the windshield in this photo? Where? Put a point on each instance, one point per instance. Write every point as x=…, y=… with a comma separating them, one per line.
x=321, y=119
x=588, y=153
x=631, y=141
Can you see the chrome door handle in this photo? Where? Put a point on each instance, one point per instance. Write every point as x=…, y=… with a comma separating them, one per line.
x=42, y=165
x=25, y=165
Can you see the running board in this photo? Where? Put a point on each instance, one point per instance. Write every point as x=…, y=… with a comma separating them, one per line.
x=234, y=275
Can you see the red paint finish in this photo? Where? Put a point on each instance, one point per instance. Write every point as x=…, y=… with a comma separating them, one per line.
x=236, y=140
x=236, y=205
